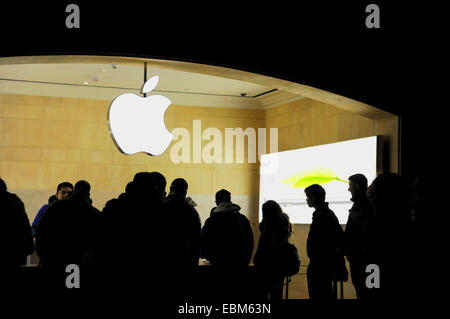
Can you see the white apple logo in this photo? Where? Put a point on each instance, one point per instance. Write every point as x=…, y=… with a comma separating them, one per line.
x=137, y=123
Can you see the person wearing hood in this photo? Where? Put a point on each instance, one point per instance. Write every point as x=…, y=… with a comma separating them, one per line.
x=227, y=238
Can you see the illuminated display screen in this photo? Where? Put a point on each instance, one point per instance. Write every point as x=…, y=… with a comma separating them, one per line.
x=329, y=165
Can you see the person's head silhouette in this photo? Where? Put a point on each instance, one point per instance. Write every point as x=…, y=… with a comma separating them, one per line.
x=390, y=195
x=315, y=195
x=143, y=183
x=52, y=198
x=223, y=196
x=179, y=187
x=271, y=210
x=357, y=185
x=160, y=182
x=82, y=189
x=129, y=188
x=3, y=187
x=275, y=221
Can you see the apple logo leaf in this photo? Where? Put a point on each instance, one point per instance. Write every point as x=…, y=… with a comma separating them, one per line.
x=150, y=84
x=306, y=178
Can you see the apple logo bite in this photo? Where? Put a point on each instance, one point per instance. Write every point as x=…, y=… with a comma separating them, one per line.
x=136, y=124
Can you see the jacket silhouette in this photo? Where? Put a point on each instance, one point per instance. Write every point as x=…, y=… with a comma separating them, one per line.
x=325, y=236
x=126, y=261
x=16, y=242
x=227, y=237
x=67, y=231
x=391, y=238
x=275, y=257
x=355, y=234
x=356, y=241
x=326, y=261
x=182, y=246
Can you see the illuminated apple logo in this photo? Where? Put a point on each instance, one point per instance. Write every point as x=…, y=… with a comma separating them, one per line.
x=137, y=123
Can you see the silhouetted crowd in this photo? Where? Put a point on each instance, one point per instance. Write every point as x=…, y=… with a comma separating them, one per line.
x=146, y=243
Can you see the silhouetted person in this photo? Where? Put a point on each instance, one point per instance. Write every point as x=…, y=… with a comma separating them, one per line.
x=391, y=241
x=108, y=261
x=110, y=206
x=431, y=233
x=127, y=259
x=160, y=183
x=422, y=195
x=227, y=235
x=181, y=241
x=16, y=242
x=63, y=190
x=275, y=257
x=326, y=262
x=67, y=232
x=356, y=233
x=227, y=243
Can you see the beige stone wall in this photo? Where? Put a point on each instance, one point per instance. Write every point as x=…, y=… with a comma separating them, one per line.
x=46, y=140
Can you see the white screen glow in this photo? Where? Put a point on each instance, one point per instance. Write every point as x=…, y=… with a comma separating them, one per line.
x=344, y=158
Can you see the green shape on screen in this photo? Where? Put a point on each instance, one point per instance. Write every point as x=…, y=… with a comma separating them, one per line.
x=307, y=178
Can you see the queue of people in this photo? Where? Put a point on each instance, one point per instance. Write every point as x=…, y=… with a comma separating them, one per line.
x=148, y=243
